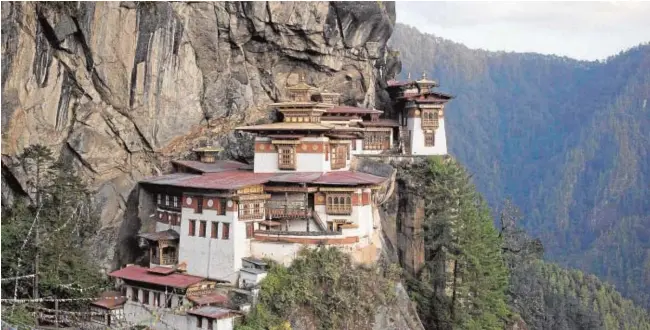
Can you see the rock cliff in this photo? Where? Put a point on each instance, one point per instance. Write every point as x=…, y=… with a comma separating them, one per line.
x=117, y=88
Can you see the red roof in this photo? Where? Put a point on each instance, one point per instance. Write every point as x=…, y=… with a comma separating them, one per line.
x=142, y=274
x=350, y=178
x=161, y=270
x=226, y=180
x=110, y=300
x=380, y=123
x=217, y=166
x=209, y=298
x=352, y=110
x=397, y=83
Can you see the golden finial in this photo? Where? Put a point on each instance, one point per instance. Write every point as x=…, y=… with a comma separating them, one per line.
x=424, y=75
x=302, y=77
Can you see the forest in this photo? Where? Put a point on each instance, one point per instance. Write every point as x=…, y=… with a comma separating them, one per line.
x=565, y=140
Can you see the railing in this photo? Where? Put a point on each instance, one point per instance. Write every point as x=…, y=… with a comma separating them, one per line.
x=297, y=233
x=287, y=209
x=254, y=216
x=319, y=221
x=339, y=209
x=169, y=260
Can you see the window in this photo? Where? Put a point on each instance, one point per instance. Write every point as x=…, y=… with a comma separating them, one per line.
x=339, y=156
x=287, y=157
x=159, y=199
x=210, y=324
x=339, y=204
x=221, y=206
x=354, y=144
x=250, y=230
x=199, y=204
x=215, y=230
x=376, y=140
x=175, y=201
x=429, y=139
x=199, y=322
x=202, y=229
x=430, y=118
x=226, y=231
x=167, y=200
x=192, y=227
x=145, y=297
x=156, y=299
x=251, y=210
x=168, y=301
x=134, y=294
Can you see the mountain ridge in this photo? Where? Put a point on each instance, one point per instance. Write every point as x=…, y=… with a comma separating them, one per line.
x=562, y=137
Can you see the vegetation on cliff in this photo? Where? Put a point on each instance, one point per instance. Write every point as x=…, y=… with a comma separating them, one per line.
x=50, y=233
x=564, y=139
x=322, y=289
x=463, y=282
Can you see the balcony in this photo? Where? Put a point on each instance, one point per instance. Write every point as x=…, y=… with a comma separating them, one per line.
x=287, y=209
x=339, y=209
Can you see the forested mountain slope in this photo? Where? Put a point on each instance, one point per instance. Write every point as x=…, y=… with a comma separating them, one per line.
x=567, y=140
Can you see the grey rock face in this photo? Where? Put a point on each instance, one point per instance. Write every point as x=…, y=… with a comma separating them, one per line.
x=117, y=88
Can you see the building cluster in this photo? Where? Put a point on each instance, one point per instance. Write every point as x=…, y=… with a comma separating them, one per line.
x=217, y=221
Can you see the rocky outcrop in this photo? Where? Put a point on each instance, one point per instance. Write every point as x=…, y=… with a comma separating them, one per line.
x=116, y=88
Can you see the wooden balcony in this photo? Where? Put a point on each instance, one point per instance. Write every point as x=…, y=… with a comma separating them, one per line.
x=339, y=209
x=287, y=209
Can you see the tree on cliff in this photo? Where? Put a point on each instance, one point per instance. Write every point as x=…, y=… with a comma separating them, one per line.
x=464, y=278
x=48, y=236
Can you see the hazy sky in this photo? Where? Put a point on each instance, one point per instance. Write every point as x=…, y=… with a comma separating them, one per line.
x=582, y=30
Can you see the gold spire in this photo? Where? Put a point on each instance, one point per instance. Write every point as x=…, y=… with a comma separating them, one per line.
x=424, y=75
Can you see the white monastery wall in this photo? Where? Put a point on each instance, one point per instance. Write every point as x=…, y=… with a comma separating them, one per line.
x=417, y=138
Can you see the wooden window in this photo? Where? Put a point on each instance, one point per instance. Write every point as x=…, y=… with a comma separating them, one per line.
x=215, y=230
x=167, y=200
x=339, y=204
x=286, y=157
x=202, y=229
x=192, y=227
x=221, y=206
x=145, y=297
x=199, y=322
x=210, y=324
x=226, y=231
x=251, y=210
x=429, y=139
x=156, y=299
x=159, y=199
x=339, y=156
x=249, y=230
x=199, y=204
x=175, y=201
x=134, y=294
x=376, y=140
x=168, y=301
x=430, y=118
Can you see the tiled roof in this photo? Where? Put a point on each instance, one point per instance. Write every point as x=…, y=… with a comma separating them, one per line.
x=208, y=298
x=380, y=123
x=298, y=177
x=284, y=126
x=142, y=274
x=161, y=270
x=353, y=110
x=217, y=166
x=108, y=300
x=348, y=178
x=168, y=179
x=397, y=83
x=211, y=312
x=168, y=234
x=226, y=180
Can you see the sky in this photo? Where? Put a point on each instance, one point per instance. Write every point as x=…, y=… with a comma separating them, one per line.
x=581, y=30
